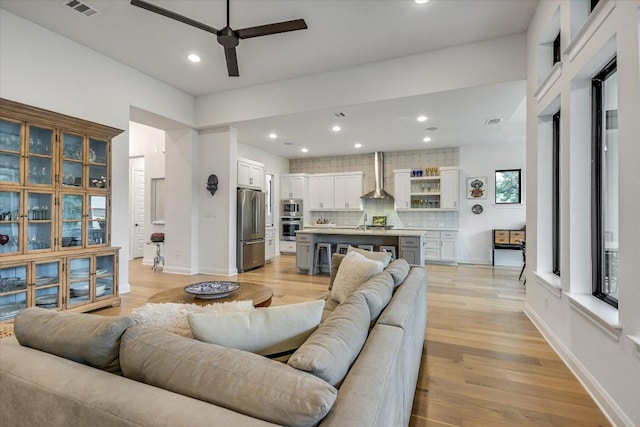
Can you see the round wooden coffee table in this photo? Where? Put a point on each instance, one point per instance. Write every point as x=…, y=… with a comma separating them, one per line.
x=259, y=294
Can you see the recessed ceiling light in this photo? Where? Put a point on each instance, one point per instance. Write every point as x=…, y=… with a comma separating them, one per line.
x=358, y=145
x=193, y=58
x=421, y=1
x=273, y=135
x=427, y=139
x=336, y=128
x=422, y=118
x=304, y=150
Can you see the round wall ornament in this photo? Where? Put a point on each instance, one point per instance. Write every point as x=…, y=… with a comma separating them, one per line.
x=477, y=209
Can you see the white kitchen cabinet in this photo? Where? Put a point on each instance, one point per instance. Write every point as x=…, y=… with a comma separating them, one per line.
x=293, y=186
x=287, y=247
x=321, y=192
x=347, y=191
x=449, y=188
x=440, y=246
x=401, y=189
x=269, y=244
x=250, y=174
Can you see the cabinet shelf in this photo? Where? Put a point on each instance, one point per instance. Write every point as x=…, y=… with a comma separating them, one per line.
x=425, y=178
x=433, y=193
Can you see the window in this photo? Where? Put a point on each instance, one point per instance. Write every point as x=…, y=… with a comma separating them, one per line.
x=508, y=185
x=557, y=56
x=555, y=188
x=604, y=182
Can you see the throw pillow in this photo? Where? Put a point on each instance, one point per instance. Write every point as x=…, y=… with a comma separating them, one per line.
x=275, y=332
x=172, y=317
x=84, y=338
x=336, y=260
x=233, y=379
x=331, y=350
x=399, y=269
x=377, y=292
x=383, y=257
x=354, y=270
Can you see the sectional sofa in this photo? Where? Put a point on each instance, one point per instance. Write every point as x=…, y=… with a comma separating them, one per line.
x=80, y=369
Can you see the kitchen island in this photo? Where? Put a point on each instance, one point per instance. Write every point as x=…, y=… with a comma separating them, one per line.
x=408, y=243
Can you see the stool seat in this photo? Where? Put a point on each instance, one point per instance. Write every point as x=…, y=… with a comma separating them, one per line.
x=390, y=249
x=322, y=257
x=366, y=247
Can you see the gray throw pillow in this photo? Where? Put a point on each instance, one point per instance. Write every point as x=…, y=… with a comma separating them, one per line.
x=377, y=292
x=331, y=350
x=84, y=338
x=237, y=380
x=399, y=269
x=336, y=260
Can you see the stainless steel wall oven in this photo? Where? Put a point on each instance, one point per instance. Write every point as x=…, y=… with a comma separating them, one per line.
x=291, y=208
x=288, y=228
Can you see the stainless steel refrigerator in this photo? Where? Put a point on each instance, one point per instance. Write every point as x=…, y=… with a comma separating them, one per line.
x=251, y=222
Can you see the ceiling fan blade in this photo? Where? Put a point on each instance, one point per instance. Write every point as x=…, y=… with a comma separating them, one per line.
x=169, y=14
x=279, y=27
x=232, y=61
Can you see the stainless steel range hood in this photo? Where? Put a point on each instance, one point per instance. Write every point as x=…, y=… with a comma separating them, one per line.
x=378, y=173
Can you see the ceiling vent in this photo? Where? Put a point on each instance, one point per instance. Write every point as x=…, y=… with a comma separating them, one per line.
x=490, y=122
x=81, y=7
x=338, y=115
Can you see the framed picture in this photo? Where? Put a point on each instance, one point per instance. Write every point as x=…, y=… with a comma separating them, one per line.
x=477, y=187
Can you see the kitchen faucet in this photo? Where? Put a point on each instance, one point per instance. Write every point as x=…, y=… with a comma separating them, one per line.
x=365, y=221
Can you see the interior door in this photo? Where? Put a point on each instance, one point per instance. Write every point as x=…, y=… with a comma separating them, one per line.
x=137, y=250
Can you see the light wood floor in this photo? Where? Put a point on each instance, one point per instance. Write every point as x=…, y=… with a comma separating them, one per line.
x=484, y=363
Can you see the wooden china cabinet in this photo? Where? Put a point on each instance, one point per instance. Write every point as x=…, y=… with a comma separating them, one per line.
x=55, y=212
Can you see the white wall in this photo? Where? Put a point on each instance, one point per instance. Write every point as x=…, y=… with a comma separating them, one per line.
x=589, y=335
x=148, y=142
x=46, y=70
x=475, y=241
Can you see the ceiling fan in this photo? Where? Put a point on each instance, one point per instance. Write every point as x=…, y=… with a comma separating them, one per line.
x=228, y=37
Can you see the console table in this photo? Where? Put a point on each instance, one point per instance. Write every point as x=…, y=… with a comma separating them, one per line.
x=506, y=239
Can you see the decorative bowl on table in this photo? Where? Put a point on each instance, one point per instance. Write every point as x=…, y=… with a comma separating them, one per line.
x=211, y=290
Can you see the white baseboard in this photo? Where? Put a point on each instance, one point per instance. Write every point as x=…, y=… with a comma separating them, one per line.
x=219, y=271
x=479, y=261
x=177, y=270
x=124, y=288
x=611, y=410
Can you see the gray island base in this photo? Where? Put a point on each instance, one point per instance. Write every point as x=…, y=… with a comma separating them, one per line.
x=408, y=244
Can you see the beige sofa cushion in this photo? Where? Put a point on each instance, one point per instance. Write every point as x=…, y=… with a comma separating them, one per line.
x=354, y=270
x=336, y=260
x=84, y=338
x=399, y=269
x=234, y=379
x=383, y=257
x=332, y=348
x=275, y=332
x=377, y=292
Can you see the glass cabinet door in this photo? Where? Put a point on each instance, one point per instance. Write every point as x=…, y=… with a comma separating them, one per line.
x=10, y=151
x=72, y=160
x=10, y=222
x=79, y=281
x=97, y=220
x=39, y=159
x=13, y=291
x=72, y=209
x=105, y=275
x=98, y=155
x=39, y=229
x=47, y=281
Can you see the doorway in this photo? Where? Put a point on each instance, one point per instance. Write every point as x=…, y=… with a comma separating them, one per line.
x=137, y=203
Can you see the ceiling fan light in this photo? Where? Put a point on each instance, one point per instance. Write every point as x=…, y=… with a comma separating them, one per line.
x=193, y=58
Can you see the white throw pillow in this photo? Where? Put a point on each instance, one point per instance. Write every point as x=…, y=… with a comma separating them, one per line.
x=384, y=257
x=172, y=317
x=275, y=332
x=355, y=269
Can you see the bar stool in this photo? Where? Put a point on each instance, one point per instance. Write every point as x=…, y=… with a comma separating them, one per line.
x=391, y=249
x=366, y=247
x=322, y=249
x=342, y=248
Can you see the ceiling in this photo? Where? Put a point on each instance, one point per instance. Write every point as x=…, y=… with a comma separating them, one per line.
x=341, y=33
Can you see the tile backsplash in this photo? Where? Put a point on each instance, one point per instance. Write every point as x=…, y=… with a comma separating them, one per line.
x=392, y=160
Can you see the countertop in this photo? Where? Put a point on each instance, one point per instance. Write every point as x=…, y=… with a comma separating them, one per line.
x=346, y=227
x=361, y=232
